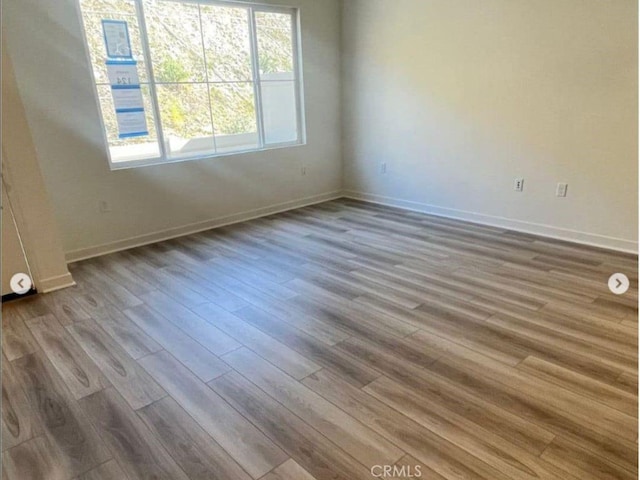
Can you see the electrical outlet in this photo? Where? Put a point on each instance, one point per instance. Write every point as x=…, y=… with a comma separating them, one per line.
x=103, y=206
x=383, y=168
x=518, y=184
x=561, y=189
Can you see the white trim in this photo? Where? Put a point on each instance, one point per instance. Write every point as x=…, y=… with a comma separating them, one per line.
x=90, y=252
x=52, y=284
x=147, y=162
x=255, y=69
x=153, y=93
x=549, y=231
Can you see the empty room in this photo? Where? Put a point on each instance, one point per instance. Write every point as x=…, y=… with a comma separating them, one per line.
x=319, y=239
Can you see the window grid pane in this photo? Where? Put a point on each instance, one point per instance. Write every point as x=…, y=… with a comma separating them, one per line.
x=175, y=41
x=234, y=116
x=186, y=118
x=275, y=45
x=279, y=112
x=227, y=43
x=276, y=58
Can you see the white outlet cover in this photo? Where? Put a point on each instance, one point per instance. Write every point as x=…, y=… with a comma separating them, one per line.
x=561, y=190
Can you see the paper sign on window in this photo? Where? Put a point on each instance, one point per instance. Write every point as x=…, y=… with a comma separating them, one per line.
x=127, y=98
x=116, y=38
x=123, y=73
x=132, y=123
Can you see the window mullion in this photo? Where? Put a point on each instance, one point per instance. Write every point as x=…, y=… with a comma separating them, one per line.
x=152, y=81
x=255, y=62
x=297, y=72
x=206, y=77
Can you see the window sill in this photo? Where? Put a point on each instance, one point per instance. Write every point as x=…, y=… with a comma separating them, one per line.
x=149, y=162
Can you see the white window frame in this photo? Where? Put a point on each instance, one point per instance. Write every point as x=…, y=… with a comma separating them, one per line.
x=253, y=8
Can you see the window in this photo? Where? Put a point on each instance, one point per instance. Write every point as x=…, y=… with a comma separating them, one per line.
x=184, y=79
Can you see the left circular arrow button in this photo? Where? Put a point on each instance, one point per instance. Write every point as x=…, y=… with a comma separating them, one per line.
x=21, y=283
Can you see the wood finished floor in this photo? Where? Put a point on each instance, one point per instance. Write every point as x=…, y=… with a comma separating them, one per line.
x=318, y=343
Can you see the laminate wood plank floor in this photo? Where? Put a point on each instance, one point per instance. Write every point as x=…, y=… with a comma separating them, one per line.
x=323, y=342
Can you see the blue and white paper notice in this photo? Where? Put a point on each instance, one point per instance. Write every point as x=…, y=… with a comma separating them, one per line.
x=132, y=123
x=127, y=98
x=116, y=38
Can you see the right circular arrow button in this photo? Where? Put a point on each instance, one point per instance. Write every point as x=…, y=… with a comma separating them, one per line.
x=618, y=283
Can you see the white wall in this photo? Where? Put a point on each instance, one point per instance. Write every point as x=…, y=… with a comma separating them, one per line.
x=459, y=97
x=44, y=39
x=13, y=259
x=23, y=183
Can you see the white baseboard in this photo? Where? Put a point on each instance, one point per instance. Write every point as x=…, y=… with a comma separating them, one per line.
x=549, y=231
x=52, y=284
x=96, y=251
